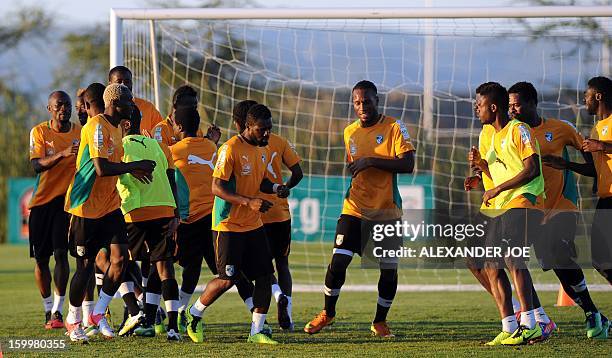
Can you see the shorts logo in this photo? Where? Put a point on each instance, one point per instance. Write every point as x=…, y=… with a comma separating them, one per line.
x=379, y=139
x=339, y=239
x=548, y=136
x=229, y=270
x=80, y=250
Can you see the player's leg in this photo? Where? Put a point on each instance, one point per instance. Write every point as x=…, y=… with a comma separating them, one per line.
x=127, y=292
x=601, y=245
x=88, y=305
x=347, y=242
x=193, y=241
x=61, y=271
x=41, y=250
x=279, y=240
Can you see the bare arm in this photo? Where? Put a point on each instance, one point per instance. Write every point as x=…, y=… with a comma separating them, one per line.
x=141, y=169
x=530, y=171
x=296, y=176
x=220, y=189
x=404, y=163
x=43, y=164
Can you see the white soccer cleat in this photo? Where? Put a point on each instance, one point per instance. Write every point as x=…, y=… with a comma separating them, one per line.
x=103, y=327
x=76, y=333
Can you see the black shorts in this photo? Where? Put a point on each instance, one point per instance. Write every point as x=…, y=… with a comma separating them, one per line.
x=88, y=236
x=194, y=242
x=245, y=252
x=516, y=228
x=555, y=247
x=149, y=240
x=279, y=238
x=48, y=227
x=491, y=227
x=601, y=235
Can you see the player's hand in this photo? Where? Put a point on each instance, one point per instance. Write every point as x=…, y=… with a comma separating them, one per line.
x=474, y=157
x=592, y=145
x=471, y=182
x=213, y=133
x=260, y=205
x=488, y=195
x=554, y=162
x=173, y=225
x=72, y=150
x=143, y=170
x=359, y=165
x=282, y=191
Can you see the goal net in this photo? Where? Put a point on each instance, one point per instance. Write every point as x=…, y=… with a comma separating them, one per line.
x=426, y=71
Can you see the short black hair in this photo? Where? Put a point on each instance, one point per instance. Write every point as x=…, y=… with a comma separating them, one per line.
x=256, y=113
x=602, y=85
x=135, y=119
x=365, y=85
x=188, y=118
x=120, y=69
x=496, y=93
x=525, y=90
x=181, y=92
x=95, y=94
x=239, y=113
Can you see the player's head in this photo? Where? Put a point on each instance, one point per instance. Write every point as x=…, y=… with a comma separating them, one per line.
x=59, y=106
x=120, y=75
x=365, y=101
x=79, y=106
x=131, y=125
x=118, y=101
x=523, y=101
x=239, y=113
x=186, y=120
x=93, y=98
x=491, y=101
x=598, y=93
x=258, y=124
x=185, y=96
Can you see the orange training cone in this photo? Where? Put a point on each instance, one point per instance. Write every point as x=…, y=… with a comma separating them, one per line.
x=563, y=300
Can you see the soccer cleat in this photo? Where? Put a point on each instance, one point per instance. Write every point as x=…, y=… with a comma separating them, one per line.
x=91, y=331
x=266, y=329
x=284, y=320
x=547, y=331
x=195, y=330
x=497, y=341
x=597, y=326
x=261, y=339
x=57, y=321
x=145, y=331
x=318, y=323
x=174, y=336
x=517, y=314
x=381, y=329
x=103, y=327
x=182, y=322
x=48, y=320
x=160, y=316
x=523, y=335
x=130, y=323
x=76, y=333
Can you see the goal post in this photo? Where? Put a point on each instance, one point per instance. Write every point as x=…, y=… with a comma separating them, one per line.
x=426, y=63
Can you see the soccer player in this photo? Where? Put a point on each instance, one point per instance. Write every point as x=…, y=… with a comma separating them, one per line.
x=277, y=220
x=240, y=243
x=150, y=114
x=514, y=165
x=53, y=146
x=152, y=218
x=79, y=105
x=378, y=147
x=555, y=248
x=94, y=202
x=164, y=132
x=194, y=157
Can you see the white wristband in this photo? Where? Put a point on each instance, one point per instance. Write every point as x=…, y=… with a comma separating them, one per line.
x=275, y=188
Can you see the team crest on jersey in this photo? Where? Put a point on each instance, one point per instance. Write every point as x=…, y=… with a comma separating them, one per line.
x=80, y=250
x=379, y=139
x=50, y=147
x=246, y=169
x=98, y=137
x=157, y=135
x=503, y=143
x=548, y=136
x=229, y=270
x=604, y=130
x=352, y=147
x=339, y=239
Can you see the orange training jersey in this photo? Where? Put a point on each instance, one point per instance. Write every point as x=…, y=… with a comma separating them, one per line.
x=150, y=116
x=554, y=136
x=281, y=153
x=603, y=162
x=45, y=142
x=91, y=196
x=373, y=189
x=164, y=133
x=243, y=166
x=194, y=159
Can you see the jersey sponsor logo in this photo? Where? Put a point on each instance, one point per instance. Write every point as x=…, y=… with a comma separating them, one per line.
x=98, y=137
x=403, y=129
x=222, y=155
x=246, y=169
x=548, y=136
x=158, y=135
x=229, y=270
x=194, y=159
x=604, y=130
x=50, y=148
x=269, y=167
x=339, y=239
x=379, y=139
